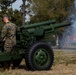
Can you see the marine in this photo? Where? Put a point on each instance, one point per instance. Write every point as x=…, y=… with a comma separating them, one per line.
x=8, y=35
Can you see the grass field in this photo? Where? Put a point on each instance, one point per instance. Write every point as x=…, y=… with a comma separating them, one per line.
x=64, y=64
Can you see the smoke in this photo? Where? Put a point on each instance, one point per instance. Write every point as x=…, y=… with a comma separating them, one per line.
x=75, y=4
x=69, y=35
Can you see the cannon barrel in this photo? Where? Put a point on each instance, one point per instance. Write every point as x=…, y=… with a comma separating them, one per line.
x=39, y=24
x=49, y=28
x=59, y=25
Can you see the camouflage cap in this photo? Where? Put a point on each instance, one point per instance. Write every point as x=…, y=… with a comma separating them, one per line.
x=5, y=15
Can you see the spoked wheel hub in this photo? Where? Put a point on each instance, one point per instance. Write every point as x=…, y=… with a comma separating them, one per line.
x=41, y=57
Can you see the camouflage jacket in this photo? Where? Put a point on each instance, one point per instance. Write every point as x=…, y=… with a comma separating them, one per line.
x=8, y=30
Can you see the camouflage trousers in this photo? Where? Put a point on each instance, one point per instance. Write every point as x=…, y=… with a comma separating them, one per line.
x=9, y=43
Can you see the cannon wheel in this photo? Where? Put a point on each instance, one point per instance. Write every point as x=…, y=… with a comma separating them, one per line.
x=39, y=56
x=16, y=62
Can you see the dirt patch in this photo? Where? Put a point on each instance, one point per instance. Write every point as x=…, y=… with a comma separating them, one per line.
x=60, y=69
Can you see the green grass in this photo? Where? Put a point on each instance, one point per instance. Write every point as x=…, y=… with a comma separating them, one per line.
x=60, y=57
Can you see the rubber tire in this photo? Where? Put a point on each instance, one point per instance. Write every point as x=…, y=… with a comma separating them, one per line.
x=30, y=53
x=16, y=62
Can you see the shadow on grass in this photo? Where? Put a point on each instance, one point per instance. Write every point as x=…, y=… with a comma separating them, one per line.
x=15, y=68
x=22, y=67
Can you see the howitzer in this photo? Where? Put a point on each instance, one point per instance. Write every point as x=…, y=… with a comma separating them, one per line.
x=49, y=27
x=38, y=55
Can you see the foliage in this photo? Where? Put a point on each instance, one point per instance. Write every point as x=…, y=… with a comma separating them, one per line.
x=50, y=9
x=42, y=10
x=25, y=10
x=16, y=17
x=6, y=7
x=5, y=4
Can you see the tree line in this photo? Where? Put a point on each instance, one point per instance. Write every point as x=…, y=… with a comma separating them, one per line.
x=39, y=10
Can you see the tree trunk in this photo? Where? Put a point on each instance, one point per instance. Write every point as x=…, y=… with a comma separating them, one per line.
x=23, y=9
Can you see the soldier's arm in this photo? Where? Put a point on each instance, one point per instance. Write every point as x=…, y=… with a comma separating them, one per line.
x=4, y=32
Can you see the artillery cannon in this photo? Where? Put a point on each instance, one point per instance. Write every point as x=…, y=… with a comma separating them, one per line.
x=38, y=55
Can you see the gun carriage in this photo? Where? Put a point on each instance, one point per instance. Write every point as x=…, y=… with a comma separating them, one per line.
x=38, y=55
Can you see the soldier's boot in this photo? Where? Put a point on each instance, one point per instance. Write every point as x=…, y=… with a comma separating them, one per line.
x=6, y=69
x=10, y=67
x=6, y=66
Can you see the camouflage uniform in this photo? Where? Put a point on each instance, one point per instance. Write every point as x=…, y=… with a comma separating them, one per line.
x=9, y=35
